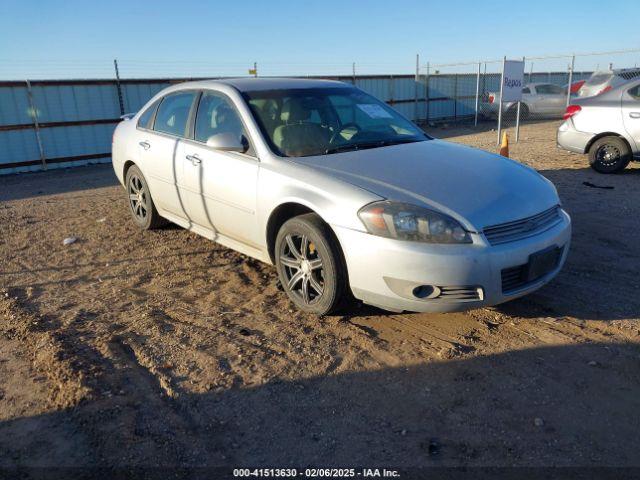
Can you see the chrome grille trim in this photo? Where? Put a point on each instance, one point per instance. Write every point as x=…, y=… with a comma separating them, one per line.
x=526, y=227
x=469, y=293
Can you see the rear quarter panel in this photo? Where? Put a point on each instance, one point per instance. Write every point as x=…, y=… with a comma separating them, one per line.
x=599, y=116
x=123, y=147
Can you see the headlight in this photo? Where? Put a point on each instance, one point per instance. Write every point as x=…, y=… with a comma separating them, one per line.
x=409, y=222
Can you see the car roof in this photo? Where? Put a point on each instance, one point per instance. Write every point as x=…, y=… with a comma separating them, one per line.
x=251, y=84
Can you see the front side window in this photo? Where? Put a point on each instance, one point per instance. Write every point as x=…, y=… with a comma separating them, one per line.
x=322, y=121
x=173, y=114
x=216, y=115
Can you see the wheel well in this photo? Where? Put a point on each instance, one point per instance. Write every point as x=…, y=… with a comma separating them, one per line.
x=602, y=135
x=277, y=218
x=127, y=166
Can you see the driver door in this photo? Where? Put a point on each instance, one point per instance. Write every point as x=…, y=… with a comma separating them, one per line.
x=221, y=187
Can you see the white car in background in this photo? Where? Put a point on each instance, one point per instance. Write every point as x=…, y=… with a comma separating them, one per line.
x=603, y=81
x=606, y=127
x=540, y=99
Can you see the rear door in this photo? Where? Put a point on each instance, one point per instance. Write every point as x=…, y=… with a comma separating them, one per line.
x=221, y=187
x=631, y=115
x=158, y=145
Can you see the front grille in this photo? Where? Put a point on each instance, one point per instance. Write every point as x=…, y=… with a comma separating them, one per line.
x=519, y=229
x=461, y=293
x=514, y=278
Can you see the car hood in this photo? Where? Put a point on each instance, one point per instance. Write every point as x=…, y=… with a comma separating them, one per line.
x=474, y=186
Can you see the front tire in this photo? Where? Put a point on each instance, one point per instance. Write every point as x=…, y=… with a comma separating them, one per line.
x=141, y=206
x=609, y=155
x=310, y=265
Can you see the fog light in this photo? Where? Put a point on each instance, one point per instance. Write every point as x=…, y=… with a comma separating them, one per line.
x=426, y=291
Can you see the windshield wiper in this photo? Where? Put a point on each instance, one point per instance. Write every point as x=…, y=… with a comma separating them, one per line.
x=364, y=145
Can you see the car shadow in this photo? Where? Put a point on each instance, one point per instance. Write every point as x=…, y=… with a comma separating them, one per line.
x=570, y=405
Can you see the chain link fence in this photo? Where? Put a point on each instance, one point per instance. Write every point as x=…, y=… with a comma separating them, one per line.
x=56, y=123
x=469, y=93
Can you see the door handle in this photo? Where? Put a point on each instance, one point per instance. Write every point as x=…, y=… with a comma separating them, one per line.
x=634, y=114
x=195, y=159
x=145, y=145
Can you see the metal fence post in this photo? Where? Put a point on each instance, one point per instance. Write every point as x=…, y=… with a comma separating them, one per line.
x=573, y=63
x=416, y=80
x=504, y=59
x=455, y=97
x=475, y=120
x=518, y=109
x=36, y=125
x=119, y=88
x=353, y=72
x=426, y=95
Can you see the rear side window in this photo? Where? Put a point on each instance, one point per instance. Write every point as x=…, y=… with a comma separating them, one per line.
x=526, y=90
x=145, y=119
x=550, y=89
x=173, y=114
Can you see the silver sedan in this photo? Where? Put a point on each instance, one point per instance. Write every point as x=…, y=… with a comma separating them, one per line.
x=344, y=195
x=540, y=99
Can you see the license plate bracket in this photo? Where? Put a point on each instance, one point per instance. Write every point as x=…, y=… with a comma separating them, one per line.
x=542, y=263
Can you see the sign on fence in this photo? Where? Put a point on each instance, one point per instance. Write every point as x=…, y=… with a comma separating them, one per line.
x=512, y=80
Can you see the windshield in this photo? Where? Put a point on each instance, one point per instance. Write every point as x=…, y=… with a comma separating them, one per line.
x=323, y=121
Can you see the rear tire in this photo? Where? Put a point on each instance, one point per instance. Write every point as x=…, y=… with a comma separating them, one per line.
x=310, y=265
x=512, y=112
x=141, y=206
x=609, y=155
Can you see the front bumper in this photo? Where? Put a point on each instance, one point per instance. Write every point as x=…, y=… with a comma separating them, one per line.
x=384, y=272
x=571, y=139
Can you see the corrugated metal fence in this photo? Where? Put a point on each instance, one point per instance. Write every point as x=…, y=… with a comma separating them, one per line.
x=62, y=123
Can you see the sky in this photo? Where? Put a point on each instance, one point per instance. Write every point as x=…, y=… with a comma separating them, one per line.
x=80, y=39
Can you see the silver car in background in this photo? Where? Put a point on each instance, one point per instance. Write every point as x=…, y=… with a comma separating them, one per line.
x=540, y=99
x=606, y=127
x=342, y=193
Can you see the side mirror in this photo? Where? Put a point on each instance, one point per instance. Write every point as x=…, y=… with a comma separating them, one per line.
x=227, y=142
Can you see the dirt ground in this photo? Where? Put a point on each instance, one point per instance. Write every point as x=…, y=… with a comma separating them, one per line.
x=164, y=349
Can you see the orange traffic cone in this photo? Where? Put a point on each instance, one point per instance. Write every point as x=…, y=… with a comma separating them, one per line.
x=504, y=146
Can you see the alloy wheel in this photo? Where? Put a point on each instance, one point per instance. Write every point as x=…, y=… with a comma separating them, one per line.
x=302, y=267
x=138, y=198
